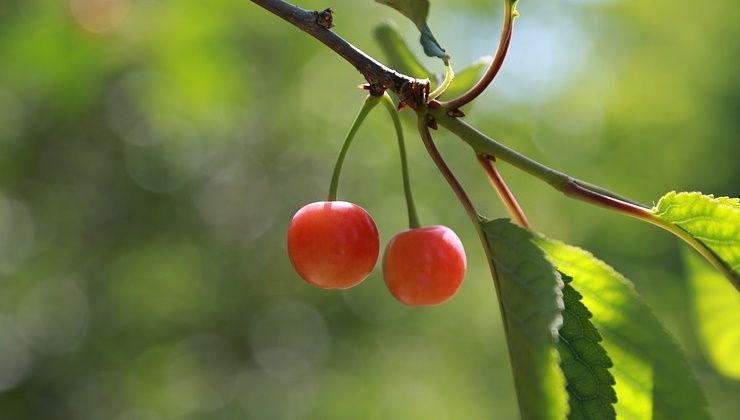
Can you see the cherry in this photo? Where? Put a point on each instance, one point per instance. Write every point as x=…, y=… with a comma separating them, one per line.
x=333, y=244
x=424, y=266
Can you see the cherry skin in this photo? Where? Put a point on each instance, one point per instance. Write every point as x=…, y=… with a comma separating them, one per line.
x=424, y=266
x=333, y=244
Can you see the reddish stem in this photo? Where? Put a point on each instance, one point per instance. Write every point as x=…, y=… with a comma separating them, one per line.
x=574, y=189
x=426, y=137
x=503, y=190
x=493, y=69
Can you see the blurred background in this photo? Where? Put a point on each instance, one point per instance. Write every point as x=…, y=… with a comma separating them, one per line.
x=152, y=154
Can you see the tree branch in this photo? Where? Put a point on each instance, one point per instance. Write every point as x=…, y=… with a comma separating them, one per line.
x=482, y=144
x=411, y=91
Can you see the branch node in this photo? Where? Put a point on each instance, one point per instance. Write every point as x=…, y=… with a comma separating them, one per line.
x=415, y=93
x=325, y=18
x=455, y=113
x=374, y=89
x=431, y=122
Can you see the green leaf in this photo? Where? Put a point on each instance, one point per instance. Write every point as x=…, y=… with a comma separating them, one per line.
x=417, y=11
x=466, y=78
x=716, y=309
x=531, y=305
x=653, y=380
x=430, y=44
x=584, y=361
x=715, y=222
x=398, y=53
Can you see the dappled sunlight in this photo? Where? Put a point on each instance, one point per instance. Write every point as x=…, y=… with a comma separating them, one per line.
x=634, y=394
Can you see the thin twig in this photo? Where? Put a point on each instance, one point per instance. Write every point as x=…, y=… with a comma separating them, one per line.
x=483, y=144
x=410, y=90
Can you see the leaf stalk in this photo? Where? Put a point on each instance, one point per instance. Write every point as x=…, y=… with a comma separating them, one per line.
x=507, y=197
x=457, y=188
x=510, y=15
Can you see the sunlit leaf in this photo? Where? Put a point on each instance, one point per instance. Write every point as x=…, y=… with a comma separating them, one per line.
x=715, y=222
x=417, y=11
x=398, y=53
x=531, y=300
x=716, y=309
x=584, y=361
x=653, y=380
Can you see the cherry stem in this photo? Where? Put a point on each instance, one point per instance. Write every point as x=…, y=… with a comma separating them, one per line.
x=410, y=206
x=426, y=137
x=510, y=14
x=369, y=104
x=503, y=190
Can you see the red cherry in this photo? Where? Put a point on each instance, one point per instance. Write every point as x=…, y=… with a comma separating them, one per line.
x=424, y=266
x=333, y=244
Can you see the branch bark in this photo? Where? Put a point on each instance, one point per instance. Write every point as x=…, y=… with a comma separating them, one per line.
x=410, y=91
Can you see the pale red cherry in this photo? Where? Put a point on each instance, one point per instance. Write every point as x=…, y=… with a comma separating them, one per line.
x=424, y=266
x=333, y=244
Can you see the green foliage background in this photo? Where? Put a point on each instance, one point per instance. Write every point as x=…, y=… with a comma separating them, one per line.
x=153, y=153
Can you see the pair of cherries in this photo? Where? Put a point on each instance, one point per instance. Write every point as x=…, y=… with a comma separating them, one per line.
x=335, y=245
